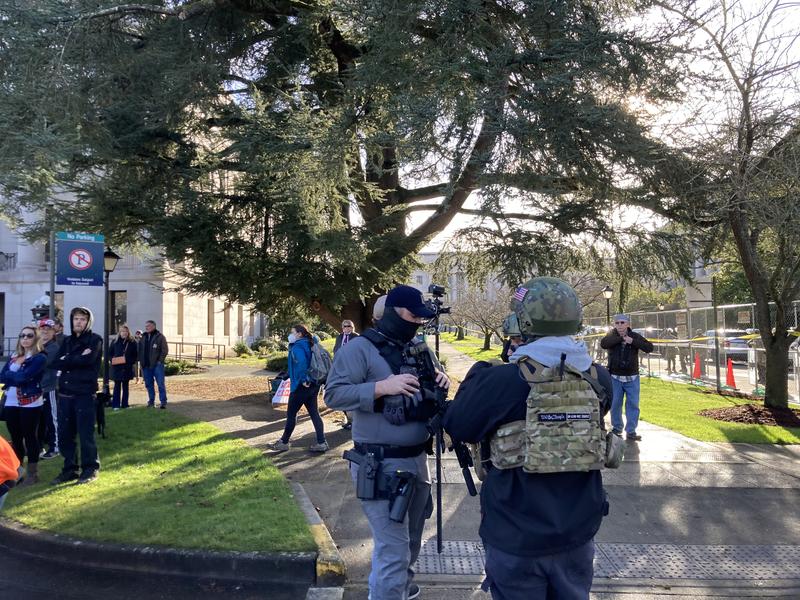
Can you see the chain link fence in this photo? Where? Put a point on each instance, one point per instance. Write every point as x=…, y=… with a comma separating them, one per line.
x=723, y=349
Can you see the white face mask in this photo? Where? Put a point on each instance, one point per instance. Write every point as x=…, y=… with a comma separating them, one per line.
x=292, y=338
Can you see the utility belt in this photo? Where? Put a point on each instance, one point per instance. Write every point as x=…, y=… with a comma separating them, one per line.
x=372, y=483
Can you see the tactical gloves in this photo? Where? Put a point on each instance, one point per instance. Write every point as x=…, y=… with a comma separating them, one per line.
x=395, y=409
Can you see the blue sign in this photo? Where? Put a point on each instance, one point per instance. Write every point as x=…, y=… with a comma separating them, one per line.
x=79, y=258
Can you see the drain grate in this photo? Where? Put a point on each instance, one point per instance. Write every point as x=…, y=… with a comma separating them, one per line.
x=640, y=561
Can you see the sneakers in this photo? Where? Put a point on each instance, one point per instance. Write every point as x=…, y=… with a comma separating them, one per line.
x=87, y=476
x=323, y=447
x=163, y=407
x=49, y=454
x=279, y=446
x=633, y=437
x=64, y=477
x=413, y=591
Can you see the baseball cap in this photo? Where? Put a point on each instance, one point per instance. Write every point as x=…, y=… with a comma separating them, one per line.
x=45, y=323
x=405, y=296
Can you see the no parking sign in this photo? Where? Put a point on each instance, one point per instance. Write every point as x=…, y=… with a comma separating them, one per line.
x=79, y=258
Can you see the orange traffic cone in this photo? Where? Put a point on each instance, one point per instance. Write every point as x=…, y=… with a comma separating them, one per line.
x=729, y=380
x=696, y=373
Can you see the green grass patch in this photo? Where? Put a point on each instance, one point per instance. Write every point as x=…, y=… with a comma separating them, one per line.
x=252, y=360
x=172, y=482
x=472, y=347
x=675, y=406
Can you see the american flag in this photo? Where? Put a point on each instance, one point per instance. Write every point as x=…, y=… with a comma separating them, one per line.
x=520, y=293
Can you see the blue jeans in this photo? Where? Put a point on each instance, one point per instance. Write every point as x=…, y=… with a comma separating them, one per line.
x=157, y=373
x=3, y=500
x=76, y=416
x=564, y=576
x=630, y=389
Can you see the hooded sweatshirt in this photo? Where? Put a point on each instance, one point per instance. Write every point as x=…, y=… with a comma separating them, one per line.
x=79, y=371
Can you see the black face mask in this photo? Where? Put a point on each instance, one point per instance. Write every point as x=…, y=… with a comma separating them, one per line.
x=395, y=327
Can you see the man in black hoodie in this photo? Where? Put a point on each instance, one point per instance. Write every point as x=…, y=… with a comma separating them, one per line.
x=80, y=357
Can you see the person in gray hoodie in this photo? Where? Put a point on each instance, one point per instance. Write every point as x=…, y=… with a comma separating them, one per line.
x=48, y=424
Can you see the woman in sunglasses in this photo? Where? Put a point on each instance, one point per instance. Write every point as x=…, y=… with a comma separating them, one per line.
x=22, y=377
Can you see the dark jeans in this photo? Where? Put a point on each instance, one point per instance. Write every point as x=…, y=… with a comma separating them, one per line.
x=23, y=425
x=48, y=422
x=76, y=415
x=120, y=386
x=564, y=576
x=303, y=396
x=157, y=373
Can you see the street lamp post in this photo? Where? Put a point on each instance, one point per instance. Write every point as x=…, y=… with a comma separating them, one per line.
x=110, y=260
x=608, y=291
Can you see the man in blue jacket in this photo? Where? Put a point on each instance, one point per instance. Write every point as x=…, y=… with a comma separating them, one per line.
x=79, y=360
x=539, y=423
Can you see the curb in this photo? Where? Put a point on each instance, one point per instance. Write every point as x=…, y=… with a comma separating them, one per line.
x=257, y=567
x=330, y=567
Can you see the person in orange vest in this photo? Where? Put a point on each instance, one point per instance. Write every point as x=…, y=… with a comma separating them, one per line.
x=11, y=472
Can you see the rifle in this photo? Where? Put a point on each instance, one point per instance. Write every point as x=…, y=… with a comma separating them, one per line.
x=419, y=356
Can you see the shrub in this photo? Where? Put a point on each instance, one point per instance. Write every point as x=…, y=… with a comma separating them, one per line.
x=261, y=345
x=174, y=366
x=278, y=361
x=242, y=349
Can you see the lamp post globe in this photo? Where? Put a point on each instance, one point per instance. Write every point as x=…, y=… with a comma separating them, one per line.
x=608, y=292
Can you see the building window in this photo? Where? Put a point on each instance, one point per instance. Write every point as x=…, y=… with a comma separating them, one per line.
x=253, y=323
x=211, y=317
x=180, y=314
x=119, y=310
x=240, y=321
x=419, y=279
x=226, y=320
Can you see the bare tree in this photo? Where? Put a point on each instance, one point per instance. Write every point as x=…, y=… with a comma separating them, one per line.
x=484, y=308
x=748, y=139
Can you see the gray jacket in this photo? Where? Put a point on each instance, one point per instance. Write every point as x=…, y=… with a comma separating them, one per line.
x=155, y=344
x=351, y=386
x=50, y=379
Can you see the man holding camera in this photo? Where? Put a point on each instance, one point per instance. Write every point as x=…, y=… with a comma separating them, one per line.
x=388, y=463
x=539, y=421
x=623, y=345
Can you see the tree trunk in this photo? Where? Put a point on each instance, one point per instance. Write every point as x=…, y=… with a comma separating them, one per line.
x=487, y=340
x=776, y=388
x=459, y=333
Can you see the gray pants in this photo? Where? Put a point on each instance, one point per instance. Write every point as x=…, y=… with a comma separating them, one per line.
x=395, y=545
x=564, y=576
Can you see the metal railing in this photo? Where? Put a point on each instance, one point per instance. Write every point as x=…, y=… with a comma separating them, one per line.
x=8, y=262
x=196, y=351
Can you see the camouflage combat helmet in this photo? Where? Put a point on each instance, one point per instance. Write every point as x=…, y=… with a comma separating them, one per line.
x=511, y=326
x=547, y=306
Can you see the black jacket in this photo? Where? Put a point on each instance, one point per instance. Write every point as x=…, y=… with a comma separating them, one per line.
x=623, y=359
x=524, y=514
x=152, y=349
x=339, y=337
x=79, y=371
x=128, y=349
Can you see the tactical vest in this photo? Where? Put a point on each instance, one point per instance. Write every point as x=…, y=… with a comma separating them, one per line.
x=563, y=430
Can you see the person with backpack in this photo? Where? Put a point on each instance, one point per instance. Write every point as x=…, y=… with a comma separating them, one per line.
x=307, y=371
x=539, y=420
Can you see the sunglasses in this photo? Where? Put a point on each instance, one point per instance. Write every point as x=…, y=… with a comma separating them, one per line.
x=347, y=326
x=25, y=336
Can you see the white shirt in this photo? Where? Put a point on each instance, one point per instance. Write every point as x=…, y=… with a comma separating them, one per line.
x=11, y=391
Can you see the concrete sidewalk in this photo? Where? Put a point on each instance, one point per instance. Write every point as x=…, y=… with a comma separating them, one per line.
x=688, y=518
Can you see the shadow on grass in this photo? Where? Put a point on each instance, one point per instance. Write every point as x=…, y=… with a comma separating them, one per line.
x=172, y=482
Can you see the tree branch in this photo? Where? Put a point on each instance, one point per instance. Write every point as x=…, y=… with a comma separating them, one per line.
x=182, y=12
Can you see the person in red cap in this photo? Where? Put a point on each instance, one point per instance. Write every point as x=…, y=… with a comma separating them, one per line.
x=48, y=422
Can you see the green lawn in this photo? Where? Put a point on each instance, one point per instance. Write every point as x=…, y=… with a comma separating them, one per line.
x=169, y=481
x=675, y=406
x=472, y=347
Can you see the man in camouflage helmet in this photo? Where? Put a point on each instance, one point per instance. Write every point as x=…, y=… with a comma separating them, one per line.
x=513, y=337
x=538, y=519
